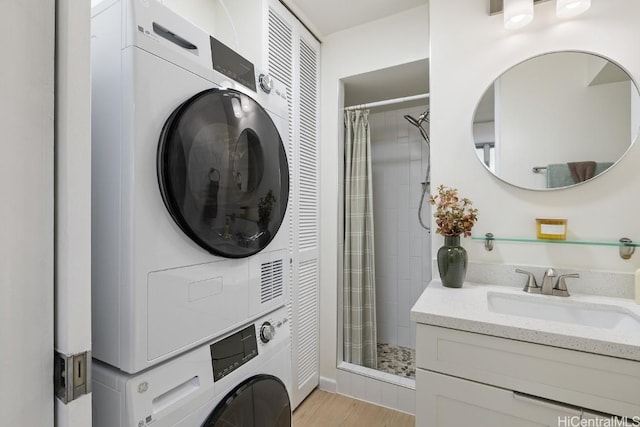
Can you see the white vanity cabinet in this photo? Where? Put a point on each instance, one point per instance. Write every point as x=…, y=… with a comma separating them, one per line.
x=467, y=378
x=448, y=401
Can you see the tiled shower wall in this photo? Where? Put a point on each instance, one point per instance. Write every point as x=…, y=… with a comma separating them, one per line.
x=402, y=246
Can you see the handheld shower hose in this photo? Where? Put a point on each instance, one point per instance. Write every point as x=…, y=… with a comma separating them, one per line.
x=424, y=117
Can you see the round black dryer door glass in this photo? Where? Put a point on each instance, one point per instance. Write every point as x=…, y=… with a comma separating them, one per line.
x=223, y=172
x=260, y=401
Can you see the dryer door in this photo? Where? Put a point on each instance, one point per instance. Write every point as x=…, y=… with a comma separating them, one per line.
x=223, y=172
x=260, y=401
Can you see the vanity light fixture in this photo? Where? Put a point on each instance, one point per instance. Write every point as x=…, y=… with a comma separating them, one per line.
x=517, y=13
x=569, y=8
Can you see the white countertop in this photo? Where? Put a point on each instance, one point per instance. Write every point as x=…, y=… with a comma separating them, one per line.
x=467, y=309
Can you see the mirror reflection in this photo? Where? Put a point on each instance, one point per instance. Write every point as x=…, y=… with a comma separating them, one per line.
x=556, y=120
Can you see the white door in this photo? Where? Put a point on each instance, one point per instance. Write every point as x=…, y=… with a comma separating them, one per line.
x=73, y=207
x=30, y=175
x=305, y=300
x=26, y=212
x=293, y=57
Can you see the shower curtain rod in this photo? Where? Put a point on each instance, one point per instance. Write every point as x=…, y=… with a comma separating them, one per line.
x=387, y=102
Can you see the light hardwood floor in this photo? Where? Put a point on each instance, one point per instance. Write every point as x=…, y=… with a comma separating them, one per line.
x=323, y=409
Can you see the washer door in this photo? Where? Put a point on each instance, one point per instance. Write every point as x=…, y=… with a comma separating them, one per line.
x=223, y=172
x=260, y=401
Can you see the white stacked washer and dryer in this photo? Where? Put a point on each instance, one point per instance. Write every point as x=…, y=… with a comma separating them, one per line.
x=190, y=187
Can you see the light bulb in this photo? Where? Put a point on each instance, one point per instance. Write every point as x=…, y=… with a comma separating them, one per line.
x=517, y=13
x=569, y=8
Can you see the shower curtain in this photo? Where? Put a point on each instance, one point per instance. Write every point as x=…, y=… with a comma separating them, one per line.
x=359, y=326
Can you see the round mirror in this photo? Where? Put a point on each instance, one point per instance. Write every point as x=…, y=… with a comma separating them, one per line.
x=556, y=120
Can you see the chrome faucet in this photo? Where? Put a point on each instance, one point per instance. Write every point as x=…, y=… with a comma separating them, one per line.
x=531, y=286
x=547, y=282
x=558, y=289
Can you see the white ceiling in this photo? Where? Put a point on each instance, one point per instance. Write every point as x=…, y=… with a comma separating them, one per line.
x=329, y=16
x=324, y=17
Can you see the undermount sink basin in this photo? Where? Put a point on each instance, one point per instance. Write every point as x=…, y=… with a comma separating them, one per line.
x=563, y=310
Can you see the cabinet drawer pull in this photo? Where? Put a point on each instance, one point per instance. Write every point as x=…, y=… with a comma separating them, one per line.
x=547, y=403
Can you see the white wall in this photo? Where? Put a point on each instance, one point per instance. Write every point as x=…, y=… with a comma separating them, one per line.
x=402, y=246
x=395, y=40
x=26, y=212
x=465, y=59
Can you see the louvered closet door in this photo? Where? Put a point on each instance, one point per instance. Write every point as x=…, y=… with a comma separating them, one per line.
x=294, y=59
x=306, y=245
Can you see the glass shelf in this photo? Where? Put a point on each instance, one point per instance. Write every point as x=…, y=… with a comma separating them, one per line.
x=627, y=246
x=559, y=242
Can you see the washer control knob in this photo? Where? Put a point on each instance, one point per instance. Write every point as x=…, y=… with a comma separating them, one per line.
x=266, y=82
x=267, y=332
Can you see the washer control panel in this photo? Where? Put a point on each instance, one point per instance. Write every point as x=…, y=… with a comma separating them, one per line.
x=267, y=332
x=273, y=327
x=266, y=83
x=229, y=354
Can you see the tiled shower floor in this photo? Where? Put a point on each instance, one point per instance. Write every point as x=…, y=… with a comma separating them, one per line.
x=397, y=360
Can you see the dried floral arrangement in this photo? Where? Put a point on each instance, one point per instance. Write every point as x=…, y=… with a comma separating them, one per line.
x=454, y=216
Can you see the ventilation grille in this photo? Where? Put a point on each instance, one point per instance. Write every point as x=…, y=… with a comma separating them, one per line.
x=280, y=58
x=271, y=281
x=280, y=62
x=308, y=321
x=308, y=208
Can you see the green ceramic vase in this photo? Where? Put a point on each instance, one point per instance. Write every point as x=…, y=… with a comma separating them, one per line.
x=452, y=262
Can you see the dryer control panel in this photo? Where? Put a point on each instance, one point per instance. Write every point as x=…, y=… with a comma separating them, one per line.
x=229, y=354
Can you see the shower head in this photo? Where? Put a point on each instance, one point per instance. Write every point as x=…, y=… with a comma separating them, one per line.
x=412, y=120
x=421, y=118
x=418, y=123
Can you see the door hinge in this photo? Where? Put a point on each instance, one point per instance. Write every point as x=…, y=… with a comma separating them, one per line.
x=72, y=375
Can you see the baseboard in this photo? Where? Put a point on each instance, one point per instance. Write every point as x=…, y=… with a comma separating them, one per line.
x=328, y=384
